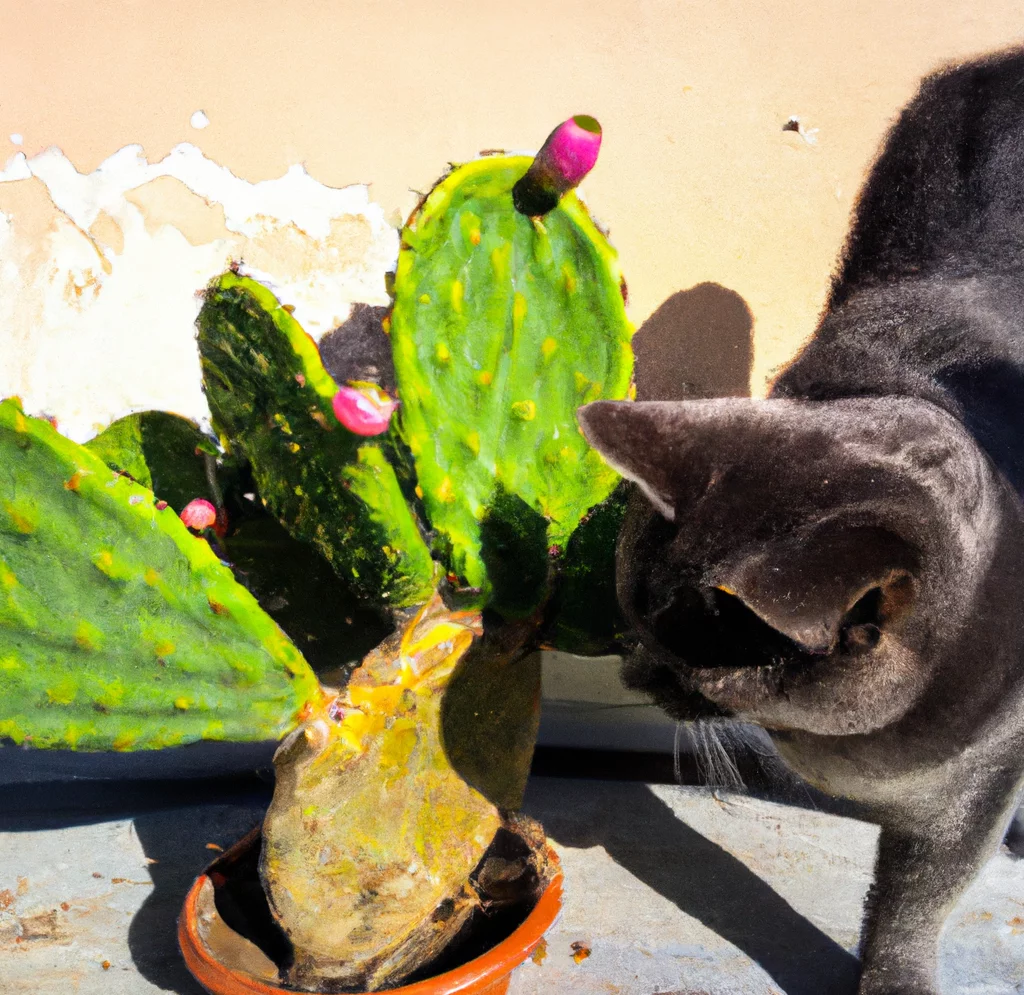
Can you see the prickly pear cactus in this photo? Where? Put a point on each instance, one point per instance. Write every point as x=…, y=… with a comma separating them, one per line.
x=503, y=325
x=165, y=453
x=271, y=401
x=372, y=835
x=118, y=628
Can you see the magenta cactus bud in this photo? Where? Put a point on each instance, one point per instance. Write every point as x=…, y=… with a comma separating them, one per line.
x=198, y=514
x=364, y=411
x=565, y=158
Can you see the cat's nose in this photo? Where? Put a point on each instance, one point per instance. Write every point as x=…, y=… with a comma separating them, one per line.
x=813, y=631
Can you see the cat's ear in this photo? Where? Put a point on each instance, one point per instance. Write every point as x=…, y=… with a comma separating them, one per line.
x=648, y=442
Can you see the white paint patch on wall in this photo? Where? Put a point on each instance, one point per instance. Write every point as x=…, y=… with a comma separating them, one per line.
x=100, y=273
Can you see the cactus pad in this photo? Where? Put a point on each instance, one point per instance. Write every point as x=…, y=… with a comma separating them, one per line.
x=118, y=629
x=165, y=453
x=271, y=401
x=502, y=326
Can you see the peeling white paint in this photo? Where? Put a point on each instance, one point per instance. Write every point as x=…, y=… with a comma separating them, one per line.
x=98, y=299
x=16, y=139
x=199, y=120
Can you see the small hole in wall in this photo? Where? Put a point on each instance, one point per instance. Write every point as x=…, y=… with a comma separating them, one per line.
x=793, y=124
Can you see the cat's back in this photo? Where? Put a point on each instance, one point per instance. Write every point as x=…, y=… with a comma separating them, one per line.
x=928, y=298
x=946, y=194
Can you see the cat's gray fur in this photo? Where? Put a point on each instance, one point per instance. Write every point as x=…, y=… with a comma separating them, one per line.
x=843, y=563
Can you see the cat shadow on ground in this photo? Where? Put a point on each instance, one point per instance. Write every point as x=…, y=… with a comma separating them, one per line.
x=645, y=837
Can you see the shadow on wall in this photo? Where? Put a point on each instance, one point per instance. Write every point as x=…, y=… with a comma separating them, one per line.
x=698, y=343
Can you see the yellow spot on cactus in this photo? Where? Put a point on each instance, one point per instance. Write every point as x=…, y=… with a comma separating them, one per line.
x=473, y=442
x=442, y=353
x=20, y=425
x=424, y=298
x=399, y=744
x=282, y=423
x=111, y=695
x=151, y=577
x=474, y=236
x=7, y=578
x=10, y=663
x=548, y=347
x=182, y=704
x=581, y=382
x=163, y=647
x=524, y=410
x=446, y=492
x=383, y=698
x=24, y=519
x=385, y=323
x=299, y=492
x=631, y=393
x=485, y=377
x=457, y=292
x=419, y=492
x=124, y=741
x=293, y=447
x=518, y=312
x=88, y=636
x=568, y=278
x=73, y=482
x=214, y=730
x=500, y=260
x=63, y=693
x=105, y=562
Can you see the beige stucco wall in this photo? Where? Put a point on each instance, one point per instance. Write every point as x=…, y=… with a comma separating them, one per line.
x=696, y=181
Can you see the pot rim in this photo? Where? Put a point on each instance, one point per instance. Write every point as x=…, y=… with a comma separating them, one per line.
x=473, y=976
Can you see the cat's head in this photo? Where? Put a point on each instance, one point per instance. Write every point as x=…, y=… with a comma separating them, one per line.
x=798, y=564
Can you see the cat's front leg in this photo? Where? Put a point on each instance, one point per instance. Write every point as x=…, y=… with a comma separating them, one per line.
x=930, y=850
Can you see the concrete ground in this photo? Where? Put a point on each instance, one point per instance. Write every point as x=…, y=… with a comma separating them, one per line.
x=671, y=889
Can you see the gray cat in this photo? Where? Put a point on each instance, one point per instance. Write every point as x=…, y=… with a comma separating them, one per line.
x=843, y=563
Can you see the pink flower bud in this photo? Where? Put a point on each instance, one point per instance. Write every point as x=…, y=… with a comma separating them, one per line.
x=565, y=158
x=365, y=411
x=198, y=514
x=573, y=148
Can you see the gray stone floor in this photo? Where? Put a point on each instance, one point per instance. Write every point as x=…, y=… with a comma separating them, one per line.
x=671, y=889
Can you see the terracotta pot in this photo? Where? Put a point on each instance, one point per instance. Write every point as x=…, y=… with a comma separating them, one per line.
x=225, y=963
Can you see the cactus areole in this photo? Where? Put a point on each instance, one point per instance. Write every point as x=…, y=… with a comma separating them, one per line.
x=508, y=315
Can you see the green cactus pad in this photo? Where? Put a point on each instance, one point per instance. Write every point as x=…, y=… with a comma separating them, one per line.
x=502, y=327
x=270, y=397
x=165, y=453
x=118, y=628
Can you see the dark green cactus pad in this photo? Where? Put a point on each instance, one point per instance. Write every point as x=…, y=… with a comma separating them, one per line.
x=585, y=614
x=165, y=453
x=270, y=398
x=502, y=327
x=118, y=628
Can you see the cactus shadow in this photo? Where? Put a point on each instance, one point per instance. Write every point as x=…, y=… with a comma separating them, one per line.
x=699, y=343
x=177, y=840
